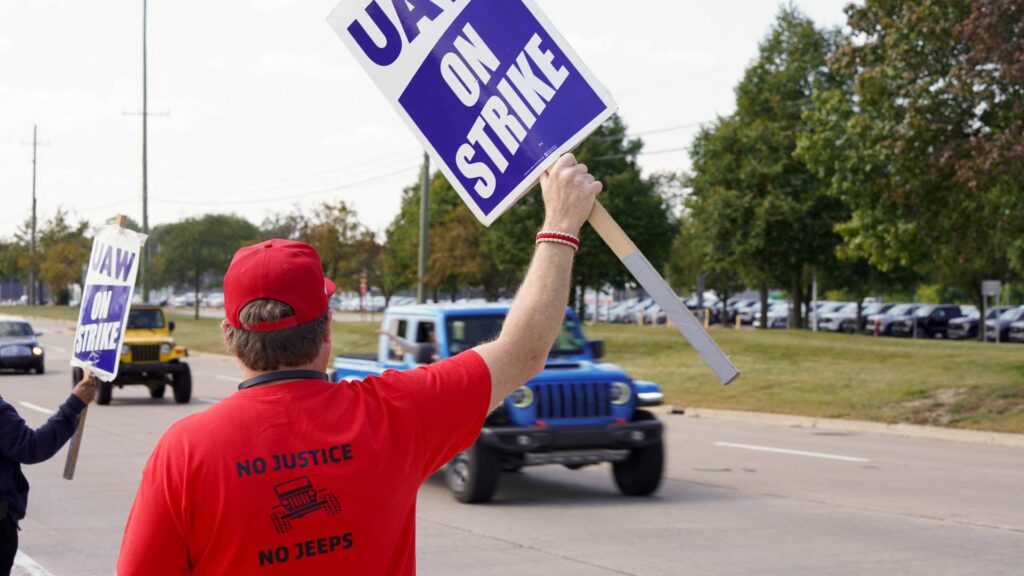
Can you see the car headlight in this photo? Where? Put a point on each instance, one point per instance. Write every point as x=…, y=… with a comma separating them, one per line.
x=523, y=397
x=37, y=351
x=165, y=349
x=125, y=349
x=621, y=393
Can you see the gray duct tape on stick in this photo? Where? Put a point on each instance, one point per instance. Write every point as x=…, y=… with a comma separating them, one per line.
x=681, y=317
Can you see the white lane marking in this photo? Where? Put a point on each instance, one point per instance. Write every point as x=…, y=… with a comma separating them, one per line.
x=207, y=400
x=792, y=452
x=37, y=408
x=30, y=566
x=58, y=349
x=227, y=378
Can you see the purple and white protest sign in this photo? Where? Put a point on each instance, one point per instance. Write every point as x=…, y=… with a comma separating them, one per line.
x=491, y=89
x=106, y=300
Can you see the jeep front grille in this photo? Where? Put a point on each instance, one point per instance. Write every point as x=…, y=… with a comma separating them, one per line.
x=298, y=501
x=573, y=400
x=145, y=352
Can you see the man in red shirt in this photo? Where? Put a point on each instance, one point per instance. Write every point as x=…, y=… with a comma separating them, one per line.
x=294, y=474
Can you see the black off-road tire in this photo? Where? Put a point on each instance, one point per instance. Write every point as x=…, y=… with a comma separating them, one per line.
x=281, y=524
x=473, y=475
x=157, y=391
x=104, y=393
x=183, y=385
x=640, y=474
x=331, y=505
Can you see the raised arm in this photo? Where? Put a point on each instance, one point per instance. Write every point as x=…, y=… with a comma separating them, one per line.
x=403, y=344
x=537, y=314
x=22, y=444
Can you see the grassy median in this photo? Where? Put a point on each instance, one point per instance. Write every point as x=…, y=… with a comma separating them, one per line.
x=957, y=384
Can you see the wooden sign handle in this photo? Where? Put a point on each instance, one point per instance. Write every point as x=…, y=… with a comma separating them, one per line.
x=76, y=441
x=656, y=287
x=73, y=447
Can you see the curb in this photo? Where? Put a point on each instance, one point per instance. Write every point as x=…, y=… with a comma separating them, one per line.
x=1002, y=439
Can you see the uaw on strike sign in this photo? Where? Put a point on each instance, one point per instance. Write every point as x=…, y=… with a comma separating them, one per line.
x=489, y=86
x=106, y=300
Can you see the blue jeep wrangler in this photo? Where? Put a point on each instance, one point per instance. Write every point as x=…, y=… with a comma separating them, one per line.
x=577, y=412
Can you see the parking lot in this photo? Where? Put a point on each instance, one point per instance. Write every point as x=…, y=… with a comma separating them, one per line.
x=738, y=498
x=1003, y=323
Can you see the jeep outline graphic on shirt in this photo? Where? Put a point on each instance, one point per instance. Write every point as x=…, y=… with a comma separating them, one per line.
x=298, y=498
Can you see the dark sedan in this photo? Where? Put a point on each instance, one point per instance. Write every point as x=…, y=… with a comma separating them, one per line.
x=998, y=330
x=966, y=327
x=19, y=348
x=928, y=321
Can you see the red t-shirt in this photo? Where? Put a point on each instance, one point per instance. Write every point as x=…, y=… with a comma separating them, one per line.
x=304, y=477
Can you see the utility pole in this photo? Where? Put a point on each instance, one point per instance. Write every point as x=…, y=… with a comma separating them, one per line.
x=32, y=244
x=33, y=297
x=144, y=279
x=421, y=290
x=144, y=268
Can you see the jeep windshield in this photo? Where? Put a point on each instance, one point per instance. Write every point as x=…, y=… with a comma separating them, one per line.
x=467, y=332
x=145, y=320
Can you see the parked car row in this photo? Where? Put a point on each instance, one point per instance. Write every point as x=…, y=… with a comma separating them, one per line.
x=907, y=320
x=206, y=300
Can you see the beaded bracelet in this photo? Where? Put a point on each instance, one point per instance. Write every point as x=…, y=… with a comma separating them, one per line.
x=559, y=238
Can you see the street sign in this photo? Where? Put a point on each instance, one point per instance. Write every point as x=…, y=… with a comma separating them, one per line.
x=106, y=300
x=489, y=87
x=991, y=288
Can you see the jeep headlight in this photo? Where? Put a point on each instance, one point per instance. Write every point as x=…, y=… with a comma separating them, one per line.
x=621, y=393
x=165, y=349
x=522, y=398
x=125, y=349
x=37, y=351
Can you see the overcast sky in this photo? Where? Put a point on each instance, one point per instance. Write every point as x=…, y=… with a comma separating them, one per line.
x=266, y=110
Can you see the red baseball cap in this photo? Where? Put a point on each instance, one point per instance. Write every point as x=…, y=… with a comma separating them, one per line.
x=282, y=270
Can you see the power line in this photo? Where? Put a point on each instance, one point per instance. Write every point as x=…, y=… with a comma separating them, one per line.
x=652, y=153
x=302, y=195
x=270, y=184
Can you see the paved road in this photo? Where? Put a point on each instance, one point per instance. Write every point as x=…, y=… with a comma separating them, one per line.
x=738, y=499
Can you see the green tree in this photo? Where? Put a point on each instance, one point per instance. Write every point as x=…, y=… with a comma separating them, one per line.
x=921, y=138
x=398, y=260
x=760, y=209
x=195, y=252
x=336, y=233
x=12, y=254
x=691, y=256
x=62, y=253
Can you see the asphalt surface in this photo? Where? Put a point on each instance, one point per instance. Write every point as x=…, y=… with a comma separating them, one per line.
x=738, y=498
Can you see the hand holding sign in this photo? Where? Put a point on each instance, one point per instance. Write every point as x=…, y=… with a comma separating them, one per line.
x=106, y=299
x=569, y=193
x=86, y=389
x=496, y=95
